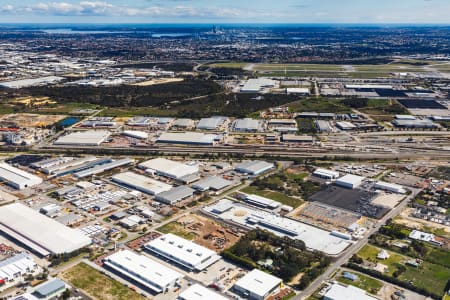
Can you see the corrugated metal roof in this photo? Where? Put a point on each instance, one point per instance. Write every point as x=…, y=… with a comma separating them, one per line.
x=51, y=287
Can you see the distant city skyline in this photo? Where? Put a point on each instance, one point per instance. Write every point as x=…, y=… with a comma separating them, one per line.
x=226, y=11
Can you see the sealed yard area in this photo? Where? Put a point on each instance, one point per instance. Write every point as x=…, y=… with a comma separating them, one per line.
x=203, y=231
x=98, y=285
x=327, y=216
x=388, y=200
x=358, y=201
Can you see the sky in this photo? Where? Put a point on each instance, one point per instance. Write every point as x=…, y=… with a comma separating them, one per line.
x=226, y=11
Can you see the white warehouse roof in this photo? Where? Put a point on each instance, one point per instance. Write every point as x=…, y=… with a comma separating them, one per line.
x=169, y=168
x=247, y=124
x=199, y=292
x=175, y=195
x=212, y=183
x=183, y=252
x=21, y=263
x=104, y=167
x=262, y=201
x=305, y=91
x=17, y=178
x=190, y=138
x=326, y=173
x=255, y=85
x=144, y=270
x=84, y=138
x=141, y=183
x=368, y=86
x=313, y=237
x=258, y=283
x=254, y=167
x=390, y=187
x=341, y=292
x=350, y=181
x=17, y=84
x=211, y=123
x=136, y=134
x=40, y=233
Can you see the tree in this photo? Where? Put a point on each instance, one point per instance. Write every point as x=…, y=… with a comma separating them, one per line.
x=65, y=295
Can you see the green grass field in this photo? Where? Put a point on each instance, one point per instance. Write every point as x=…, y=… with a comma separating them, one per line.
x=232, y=65
x=438, y=256
x=298, y=67
x=319, y=105
x=325, y=70
x=364, y=282
x=369, y=253
x=6, y=109
x=391, y=68
x=274, y=195
x=429, y=276
x=97, y=284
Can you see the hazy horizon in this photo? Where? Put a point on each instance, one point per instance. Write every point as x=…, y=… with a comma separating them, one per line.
x=425, y=12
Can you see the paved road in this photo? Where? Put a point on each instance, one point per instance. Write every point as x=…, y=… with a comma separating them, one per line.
x=352, y=250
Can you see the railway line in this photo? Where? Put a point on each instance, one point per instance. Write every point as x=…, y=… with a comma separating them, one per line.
x=255, y=151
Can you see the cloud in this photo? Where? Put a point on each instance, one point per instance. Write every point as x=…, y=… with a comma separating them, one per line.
x=69, y=9
x=7, y=8
x=101, y=8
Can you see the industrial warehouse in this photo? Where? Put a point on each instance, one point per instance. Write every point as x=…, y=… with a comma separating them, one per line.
x=316, y=239
x=171, y=169
x=275, y=161
x=141, y=183
x=94, y=170
x=136, y=134
x=391, y=187
x=17, y=178
x=255, y=167
x=326, y=174
x=175, y=195
x=187, y=138
x=198, y=292
x=340, y=292
x=212, y=123
x=213, y=183
x=143, y=270
x=17, y=265
x=83, y=138
x=247, y=125
x=182, y=252
x=257, y=285
x=350, y=181
x=38, y=232
x=64, y=165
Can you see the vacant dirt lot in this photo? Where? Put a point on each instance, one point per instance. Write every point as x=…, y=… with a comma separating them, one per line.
x=31, y=120
x=203, y=231
x=158, y=81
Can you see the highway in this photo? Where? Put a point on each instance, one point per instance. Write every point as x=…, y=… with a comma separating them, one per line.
x=353, y=249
